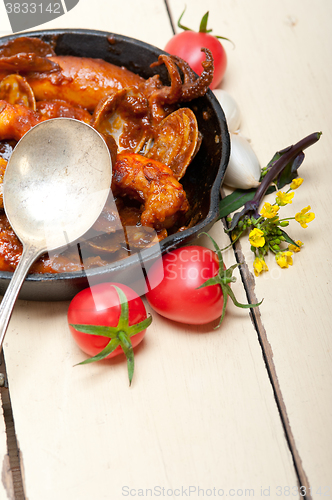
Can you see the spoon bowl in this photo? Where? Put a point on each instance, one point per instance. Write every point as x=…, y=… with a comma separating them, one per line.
x=55, y=186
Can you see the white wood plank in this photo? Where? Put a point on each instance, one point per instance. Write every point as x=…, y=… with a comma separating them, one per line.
x=280, y=74
x=5, y=28
x=200, y=411
x=6, y=481
x=139, y=20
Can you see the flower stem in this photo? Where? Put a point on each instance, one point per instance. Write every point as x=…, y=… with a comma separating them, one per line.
x=280, y=164
x=287, y=218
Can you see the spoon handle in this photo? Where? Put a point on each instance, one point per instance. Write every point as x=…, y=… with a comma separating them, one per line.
x=29, y=255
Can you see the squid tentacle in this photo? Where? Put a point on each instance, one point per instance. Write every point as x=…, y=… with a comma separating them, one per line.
x=169, y=94
x=199, y=87
x=165, y=95
x=189, y=76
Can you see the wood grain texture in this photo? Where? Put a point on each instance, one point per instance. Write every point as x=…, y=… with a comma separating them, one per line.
x=5, y=28
x=201, y=410
x=12, y=476
x=6, y=481
x=280, y=75
x=139, y=20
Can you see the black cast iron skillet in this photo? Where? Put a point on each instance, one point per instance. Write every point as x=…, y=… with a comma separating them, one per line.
x=202, y=180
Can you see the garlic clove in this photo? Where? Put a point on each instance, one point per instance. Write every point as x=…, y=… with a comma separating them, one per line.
x=243, y=170
x=230, y=108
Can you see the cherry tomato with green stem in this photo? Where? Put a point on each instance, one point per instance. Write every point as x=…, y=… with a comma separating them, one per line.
x=194, y=285
x=188, y=45
x=106, y=320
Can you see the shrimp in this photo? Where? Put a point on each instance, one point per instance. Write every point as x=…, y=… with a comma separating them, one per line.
x=16, y=120
x=153, y=183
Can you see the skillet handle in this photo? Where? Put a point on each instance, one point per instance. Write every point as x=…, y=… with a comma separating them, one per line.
x=29, y=255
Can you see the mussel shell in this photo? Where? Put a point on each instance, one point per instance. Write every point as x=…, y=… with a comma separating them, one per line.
x=110, y=120
x=16, y=90
x=176, y=141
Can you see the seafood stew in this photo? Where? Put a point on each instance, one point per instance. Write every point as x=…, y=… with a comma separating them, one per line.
x=173, y=105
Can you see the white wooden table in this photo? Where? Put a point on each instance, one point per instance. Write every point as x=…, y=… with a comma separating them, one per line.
x=241, y=411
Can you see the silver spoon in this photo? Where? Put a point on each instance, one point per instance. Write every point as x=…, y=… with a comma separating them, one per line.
x=55, y=186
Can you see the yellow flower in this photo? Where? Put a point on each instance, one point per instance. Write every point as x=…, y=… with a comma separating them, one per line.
x=269, y=211
x=303, y=217
x=296, y=183
x=259, y=266
x=283, y=198
x=295, y=249
x=284, y=259
x=256, y=238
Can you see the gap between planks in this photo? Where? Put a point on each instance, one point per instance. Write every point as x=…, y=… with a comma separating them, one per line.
x=267, y=352
x=12, y=446
x=169, y=16
x=249, y=285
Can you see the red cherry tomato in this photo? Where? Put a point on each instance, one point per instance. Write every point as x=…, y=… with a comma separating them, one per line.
x=192, y=285
x=188, y=44
x=100, y=305
x=177, y=296
x=103, y=326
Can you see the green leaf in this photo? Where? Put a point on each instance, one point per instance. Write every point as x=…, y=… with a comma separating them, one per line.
x=238, y=304
x=210, y=282
x=228, y=292
x=179, y=22
x=224, y=38
x=203, y=25
x=120, y=334
x=234, y=201
x=133, y=329
x=129, y=352
x=217, y=249
x=289, y=239
x=274, y=159
x=223, y=278
x=237, y=199
x=290, y=171
x=111, y=346
x=223, y=312
x=228, y=273
x=104, y=331
x=124, y=315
